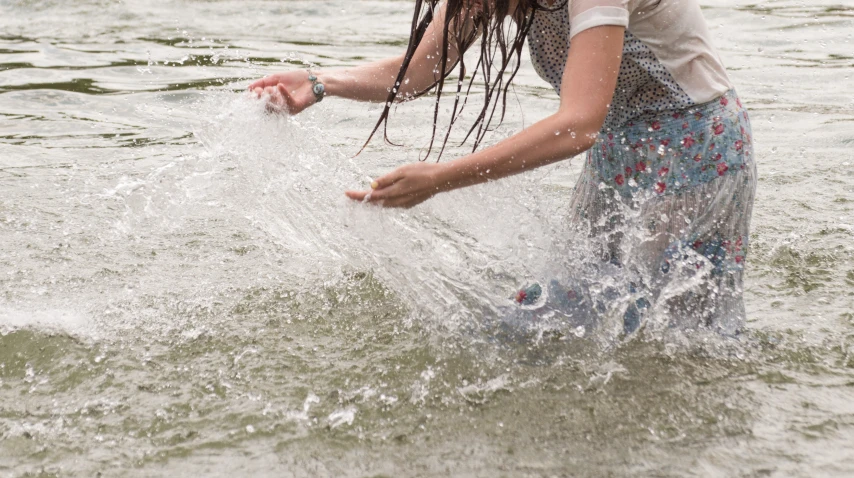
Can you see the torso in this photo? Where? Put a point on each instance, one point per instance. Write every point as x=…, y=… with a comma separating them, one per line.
x=668, y=61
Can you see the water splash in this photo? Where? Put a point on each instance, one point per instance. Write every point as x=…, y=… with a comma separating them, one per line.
x=455, y=261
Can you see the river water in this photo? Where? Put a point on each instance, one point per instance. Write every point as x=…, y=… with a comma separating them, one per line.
x=185, y=291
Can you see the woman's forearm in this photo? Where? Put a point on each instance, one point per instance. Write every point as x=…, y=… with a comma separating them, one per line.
x=557, y=137
x=374, y=81
x=553, y=139
x=371, y=82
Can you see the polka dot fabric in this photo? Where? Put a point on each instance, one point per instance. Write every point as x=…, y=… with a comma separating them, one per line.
x=644, y=87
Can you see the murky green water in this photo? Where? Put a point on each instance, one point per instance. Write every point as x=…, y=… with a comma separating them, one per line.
x=184, y=290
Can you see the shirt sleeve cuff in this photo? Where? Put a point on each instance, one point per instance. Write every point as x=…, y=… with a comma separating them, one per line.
x=597, y=17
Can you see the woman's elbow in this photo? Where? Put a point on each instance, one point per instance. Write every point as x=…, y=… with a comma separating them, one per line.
x=583, y=130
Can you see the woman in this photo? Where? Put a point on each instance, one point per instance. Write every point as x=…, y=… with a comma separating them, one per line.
x=669, y=177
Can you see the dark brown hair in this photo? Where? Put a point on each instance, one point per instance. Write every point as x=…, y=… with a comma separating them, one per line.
x=465, y=22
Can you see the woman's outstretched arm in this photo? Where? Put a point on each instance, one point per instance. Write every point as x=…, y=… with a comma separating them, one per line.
x=371, y=82
x=587, y=90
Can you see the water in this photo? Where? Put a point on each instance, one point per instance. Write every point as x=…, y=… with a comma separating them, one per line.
x=186, y=291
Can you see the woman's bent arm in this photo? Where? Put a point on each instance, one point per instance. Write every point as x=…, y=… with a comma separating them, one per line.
x=587, y=90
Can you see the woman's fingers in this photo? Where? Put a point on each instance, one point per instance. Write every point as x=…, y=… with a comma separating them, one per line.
x=259, y=91
x=272, y=99
x=380, y=189
x=357, y=195
x=388, y=179
x=391, y=192
x=278, y=98
x=385, y=200
x=287, y=93
x=401, y=201
x=406, y=186
x=374, y=195
x=271, y=80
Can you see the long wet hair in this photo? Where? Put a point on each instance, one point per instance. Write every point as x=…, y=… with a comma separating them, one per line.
x=465, y=22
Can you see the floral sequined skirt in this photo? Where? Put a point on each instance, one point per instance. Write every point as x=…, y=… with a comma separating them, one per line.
x=667, y=204
x=674, y=151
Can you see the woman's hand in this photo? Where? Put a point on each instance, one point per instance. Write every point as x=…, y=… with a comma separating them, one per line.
x=406, y=186
x=290, y=91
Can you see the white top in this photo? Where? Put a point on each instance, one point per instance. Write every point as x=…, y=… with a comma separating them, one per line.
x=668, y=63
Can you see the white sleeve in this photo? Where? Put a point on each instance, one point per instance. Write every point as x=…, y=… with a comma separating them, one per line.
x=586, y=14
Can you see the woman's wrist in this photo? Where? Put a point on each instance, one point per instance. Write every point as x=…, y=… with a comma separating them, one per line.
x=442, y=178
x=454, y=175
x=331, y=82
